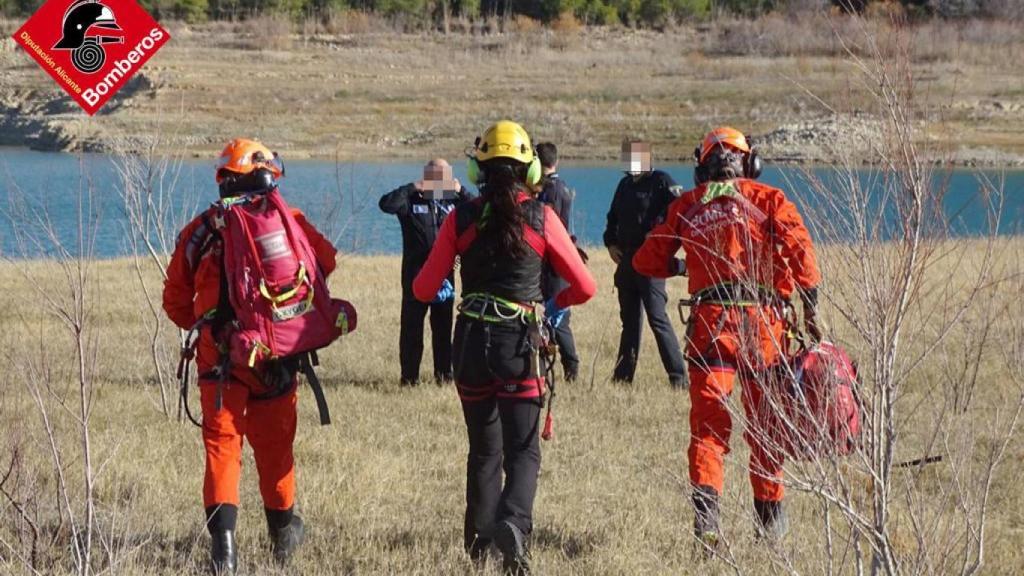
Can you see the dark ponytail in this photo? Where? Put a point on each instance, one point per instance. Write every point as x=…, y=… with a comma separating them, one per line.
x=503, y=218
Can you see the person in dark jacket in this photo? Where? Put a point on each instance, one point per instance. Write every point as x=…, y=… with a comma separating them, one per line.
x=503, y=238
x=557, y=194
x=640, y=202
x=421, y=207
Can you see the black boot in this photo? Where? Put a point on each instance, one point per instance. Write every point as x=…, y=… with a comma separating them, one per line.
x=512, y=543
x=476, y=545
x=223, y=553
x=220, y=521
x=772, y=523
x=477, y=550
x=287, y=533
x=705, y=520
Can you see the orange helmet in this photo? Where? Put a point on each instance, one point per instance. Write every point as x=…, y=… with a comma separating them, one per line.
x=242, y=156
x=724, y=136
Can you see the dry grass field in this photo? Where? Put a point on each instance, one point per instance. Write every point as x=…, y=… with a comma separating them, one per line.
x=356, y=93
x=382, y=488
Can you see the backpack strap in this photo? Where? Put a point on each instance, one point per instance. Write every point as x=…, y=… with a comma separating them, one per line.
x=224, y=312
x=470, y=215
x=306, y=364
x=466, y=229
x=533, y=226
x=202, y=240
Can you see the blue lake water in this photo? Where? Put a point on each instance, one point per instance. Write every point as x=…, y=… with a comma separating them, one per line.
x=341, y=199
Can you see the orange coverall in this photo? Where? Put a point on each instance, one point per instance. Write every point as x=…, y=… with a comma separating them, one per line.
x=192, y=288
x=742, y=237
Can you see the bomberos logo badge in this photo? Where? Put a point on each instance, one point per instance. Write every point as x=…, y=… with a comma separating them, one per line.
x=91, y=47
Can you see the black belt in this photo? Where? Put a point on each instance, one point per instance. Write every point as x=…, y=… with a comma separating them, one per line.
x=727, y=294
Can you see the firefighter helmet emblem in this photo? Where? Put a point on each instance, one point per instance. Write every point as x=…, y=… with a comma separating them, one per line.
x=88, y=25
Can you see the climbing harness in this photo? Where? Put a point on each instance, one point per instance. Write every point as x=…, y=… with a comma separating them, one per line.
x=548, y=353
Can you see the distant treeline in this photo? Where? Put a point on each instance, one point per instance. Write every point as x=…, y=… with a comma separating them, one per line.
x=641, y=13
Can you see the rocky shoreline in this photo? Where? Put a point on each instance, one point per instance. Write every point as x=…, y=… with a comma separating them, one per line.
x=51, y=122
x=35, y=114
x=854, y=139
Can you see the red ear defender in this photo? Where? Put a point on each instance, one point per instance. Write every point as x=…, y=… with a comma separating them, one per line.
x=700, y=172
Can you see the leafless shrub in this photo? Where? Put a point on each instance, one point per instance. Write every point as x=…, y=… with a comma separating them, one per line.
x=347, y=22
x=917, y=305
x=155, y=208
x=63, y=399
x=266, y=32
x=819, y=34
x=341, y=214
x=22, y=502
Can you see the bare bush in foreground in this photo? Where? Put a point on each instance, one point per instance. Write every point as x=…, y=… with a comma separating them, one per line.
x=155, y=208
x=916, y=305
x=62, y=398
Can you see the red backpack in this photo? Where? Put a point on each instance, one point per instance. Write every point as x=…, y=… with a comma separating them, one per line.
x=817, y=397
x=280, y=300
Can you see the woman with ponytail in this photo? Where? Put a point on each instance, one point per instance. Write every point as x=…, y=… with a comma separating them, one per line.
x=503, y=238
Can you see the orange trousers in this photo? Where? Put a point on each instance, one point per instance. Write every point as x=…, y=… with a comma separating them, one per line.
x=269, y=425
x=723, y=343
x=711, y=427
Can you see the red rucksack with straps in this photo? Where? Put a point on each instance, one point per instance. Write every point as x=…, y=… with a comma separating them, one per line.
x=817, y=408
x=281, y=305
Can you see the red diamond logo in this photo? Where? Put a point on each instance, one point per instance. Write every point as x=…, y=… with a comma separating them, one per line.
x=91, y=47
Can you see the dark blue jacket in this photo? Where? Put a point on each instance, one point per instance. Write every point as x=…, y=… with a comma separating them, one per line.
x=638, y=205
x=557, y=194
x=420, y=218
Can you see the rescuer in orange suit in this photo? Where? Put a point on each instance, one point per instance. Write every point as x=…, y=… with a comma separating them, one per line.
x=267, y=418
x=746, y=252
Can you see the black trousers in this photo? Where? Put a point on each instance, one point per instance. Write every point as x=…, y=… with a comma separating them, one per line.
x=638, y=294
x=498, y=383
x=503, y=437
x=567, y=345
x=410, y=339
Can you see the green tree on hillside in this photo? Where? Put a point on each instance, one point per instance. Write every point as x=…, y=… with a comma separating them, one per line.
x=190, y=10
x=749, y=8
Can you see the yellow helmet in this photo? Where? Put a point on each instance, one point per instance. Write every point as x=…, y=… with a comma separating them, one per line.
x=505, y=139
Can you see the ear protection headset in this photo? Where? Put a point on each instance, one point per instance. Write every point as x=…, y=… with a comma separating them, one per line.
x=478, y=175
x=752, y=166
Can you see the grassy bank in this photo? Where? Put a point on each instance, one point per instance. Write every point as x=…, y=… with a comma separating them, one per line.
x=382, y=488
x=351, y=91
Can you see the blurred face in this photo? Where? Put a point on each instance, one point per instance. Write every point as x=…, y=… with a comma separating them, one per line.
x=438, y=181
x=637, y=157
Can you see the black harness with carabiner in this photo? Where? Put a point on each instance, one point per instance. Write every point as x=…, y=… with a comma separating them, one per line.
x=547, y=354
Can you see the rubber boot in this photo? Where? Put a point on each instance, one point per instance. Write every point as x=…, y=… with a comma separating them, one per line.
x=220, y=521
x=772, y=523
x=223, y=553
x=705, y=521
x=287, y=533
x=512, y=543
